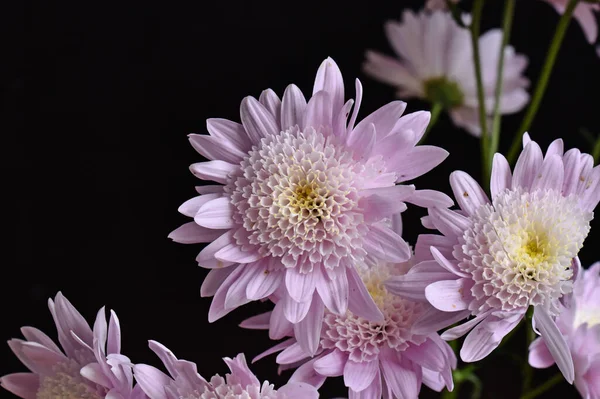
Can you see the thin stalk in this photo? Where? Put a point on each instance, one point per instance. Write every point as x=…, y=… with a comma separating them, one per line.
x=596, y=151
x=558, y=377
x=540, y=88
x=527, y=370
x=436, y=110
x=509, y=10
x=475, y=29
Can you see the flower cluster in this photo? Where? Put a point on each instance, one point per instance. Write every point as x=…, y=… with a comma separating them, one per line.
x=306, y=215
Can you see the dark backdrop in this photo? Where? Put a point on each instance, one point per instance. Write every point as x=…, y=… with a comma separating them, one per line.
x=97, y=100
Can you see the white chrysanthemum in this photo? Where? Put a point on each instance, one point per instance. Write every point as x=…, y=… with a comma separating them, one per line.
x=519, y=249
x=436, y=64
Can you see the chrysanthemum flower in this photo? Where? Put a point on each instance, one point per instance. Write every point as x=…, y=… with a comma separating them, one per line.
x=580, y=324
x=304, y=195
x=387, y=359
x=184, y=381
x=496, y=258
x=436, y=64
x=584, y=14
x=91, y=366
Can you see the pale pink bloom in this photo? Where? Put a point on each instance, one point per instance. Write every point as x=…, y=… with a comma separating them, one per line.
x=303, y=195
x=496, y=258
x=584, y=14
x=433, y=5
x=90, y=366
x=580, y=324
x=389, y=358
x=436, y=63
x=184, y=382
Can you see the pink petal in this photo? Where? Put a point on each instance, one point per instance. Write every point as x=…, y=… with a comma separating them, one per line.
x=280, y=346
x=427, y=355
x=291, y=354
x=298, y=390
x=430, y=199
x=364, y=144
x=556, y=147
x=329, y=79
x=113, y=343
x=433, y=320
x=318, y=112
x=501, y=175
x=332, y=364
x=279, y=326
x=264, y=283
x=236, y=294
x=295, y=311
x=460, y=330
x=527, y=166
x=555, y=342
x=190, y=207
x=479, y=343
x=269, y=99
x=573, y=170
x=402, y=381
x=446, y=264
x=239, y=368
x=34, y=335
x=306, y=374
x=191, y=233
x=340, y=122
x=41, y=360
x=383, y=243
x=539, y=355
x=449, y=295
x=360, y=302
x=412, y=285
x=425, y=241
x=377, y=206
x=206, y=257
x=257, y=120
x=230, y=131
x=68, y=319
x=384, y=119
x=218, y=171
x=24, y=385
x=216, y=214
x=213, y=281
x=217, y=306
x=308, y=330
x=333, y=289
x=372, y=391
x=416, y=162
x=551, y=174
x=587, y=21
x=234, y=253
x=449, y=222
x=359, y=91
x=358, y=375
x=293, y=106
x=94, y=373
x=300, y=286
x=152, y=381
x=258, y=322
x=210, y=189
x=468, y=193
x=214, y=148
x=415, y=121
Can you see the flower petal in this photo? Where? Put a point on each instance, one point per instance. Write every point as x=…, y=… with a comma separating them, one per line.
x=318, y=112
x=449, y=295
x=264, y=283
x=300, y=286
x=206, y=257
x=333, y=289
x=213, y=281
x=332, y=364
x=216, y=214
x=257, y=120
x=527, y=165
x=298, y=390
x=379, y=205
x=217, y=306
x=433, y=320
x=412, y=285
x=217, y=170
x=360, y=301
x=293, y=107
x=279, y=326
x=152, y=381
x=501, y=175
x=539, y=355
x=400, y=379
x=468, y=193
x=384, y=119
x=430, y=199
x=272, y=103
x=234, y=253
x=551, y=174
x=358, y=375
x=308, y=330
x=258, y=322
x=329, y=79
x=292, y=354
x=190, y=207
x=236, y=294
x=191, y=233
x=383, y=243
x=449, y=222
x=24, y=385
x=295, y=311
x=230, y=131
x=214, y=148
x=555, y=342
x=416, y=162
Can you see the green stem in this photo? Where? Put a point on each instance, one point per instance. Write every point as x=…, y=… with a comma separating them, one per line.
x=436, y=110
x=527, y=370
x=475, y=29
x=558, y=377
x=596, y=151
x=542, y=83
x=509, y=10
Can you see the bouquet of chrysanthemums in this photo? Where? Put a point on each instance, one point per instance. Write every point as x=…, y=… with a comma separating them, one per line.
x=305, y=214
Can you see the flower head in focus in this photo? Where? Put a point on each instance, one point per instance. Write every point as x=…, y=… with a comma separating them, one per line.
x=305, y=194
x=580, y=324
x=89, y=366
x=436, y=64
x=184, y=381
x=584, y=14
x=388, y=358
x=496, y=258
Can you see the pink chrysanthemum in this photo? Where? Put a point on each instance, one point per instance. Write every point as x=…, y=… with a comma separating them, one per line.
x=495, y=259
x=305, y=194
x=584, y=14
x=91, y=366
x=389, y=358
x=186, y=383
x=580, y=324
x=436, y=64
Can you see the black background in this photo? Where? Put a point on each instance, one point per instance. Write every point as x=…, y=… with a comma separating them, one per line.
x=97, y=101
